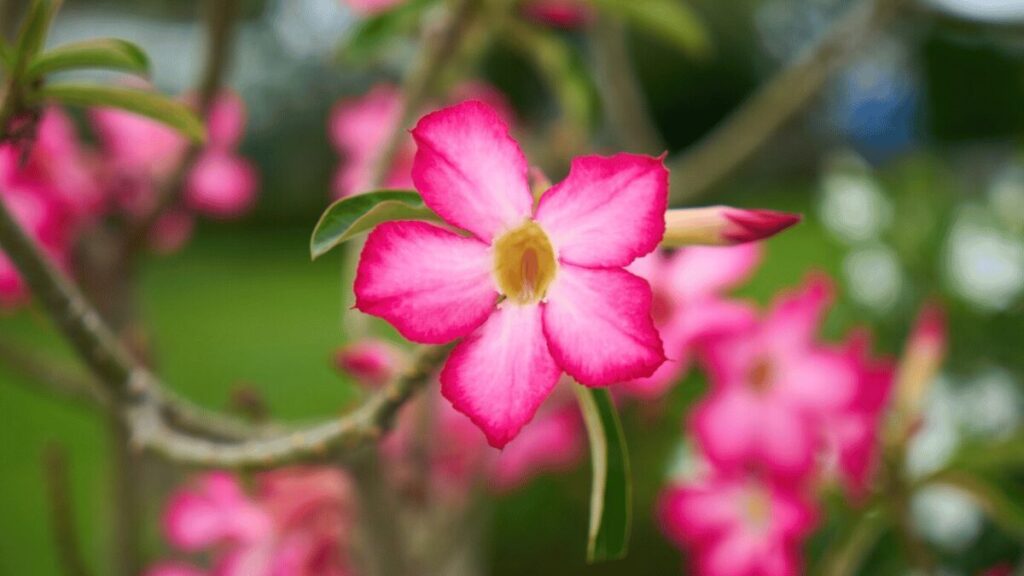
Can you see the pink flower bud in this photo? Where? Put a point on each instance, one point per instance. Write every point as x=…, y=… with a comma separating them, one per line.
x=723, y=225
x=921, y=361
x=226, y=121
x=372, y=363
x=171, y=231
x=559, y=13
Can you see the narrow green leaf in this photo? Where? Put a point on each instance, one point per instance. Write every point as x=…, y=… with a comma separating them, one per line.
x=375, y=32
x=1002, y=503
x=674, y=21
x=349, y=217
x=105, y=53
x=847, y=552
x=35, y=27
x=611, y=492
x=150, y=104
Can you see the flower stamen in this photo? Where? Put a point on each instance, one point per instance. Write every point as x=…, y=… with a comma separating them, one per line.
x=524, y=264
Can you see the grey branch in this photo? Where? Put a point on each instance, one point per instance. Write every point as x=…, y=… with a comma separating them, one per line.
x=749, y=127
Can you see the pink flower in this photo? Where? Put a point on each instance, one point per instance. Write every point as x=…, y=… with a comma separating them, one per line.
x=738, y=525
x=43, y=221
x=560, y=13
x=221, y=185
x=553, y=442
x=372, y=363
x=359, y=129
x=687, y=306
x=459, y=456
x=854, y=434
x=298, y=523
x=216, y=510
x=773, y=387
x=370, y=7
x=533, y=291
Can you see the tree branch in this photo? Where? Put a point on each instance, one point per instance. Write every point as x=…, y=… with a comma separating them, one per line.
x=750, y=126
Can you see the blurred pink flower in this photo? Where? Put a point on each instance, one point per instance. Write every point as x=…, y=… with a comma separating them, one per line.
x=298, y=523
x=560, y=13
x=221, y=185
x=171, y=231
x=141, y=155
x=853, y=436
x=687, y=304
x=773, y=386
x=459, y=456
x=534, y=291
x=372, y=363
x=370, y=7
x=359, y=129
x=738, y=525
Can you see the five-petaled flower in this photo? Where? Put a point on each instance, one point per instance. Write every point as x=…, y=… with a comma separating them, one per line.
x=532, y=290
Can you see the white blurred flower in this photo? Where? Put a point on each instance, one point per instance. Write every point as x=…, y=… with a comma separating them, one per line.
x=984, y=264
x=991, y=10
x=947, y=517
x=874, y=277
x=309, y=28
x=991, y=404
x=686, y=464
x=853, y=206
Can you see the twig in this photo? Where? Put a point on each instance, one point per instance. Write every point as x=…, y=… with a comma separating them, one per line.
x=57, y=381
x=383, y=536
x=62, y=512
x=750, y=126
x=628, y=112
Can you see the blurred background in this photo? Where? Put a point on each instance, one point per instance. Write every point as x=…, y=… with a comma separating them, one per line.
x=908, y=168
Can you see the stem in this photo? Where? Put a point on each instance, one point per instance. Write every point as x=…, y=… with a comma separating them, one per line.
x=624, y=101
x=754, y=122
x=125, y=504
x=383, y=539
x=62, y=512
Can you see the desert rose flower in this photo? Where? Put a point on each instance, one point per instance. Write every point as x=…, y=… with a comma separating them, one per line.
x=688, y=305
x=298, y=522
x=854, y=435
x=738, y=525
x=221, y=185
x=773, y=386
x=553, y=442
x=532, y=292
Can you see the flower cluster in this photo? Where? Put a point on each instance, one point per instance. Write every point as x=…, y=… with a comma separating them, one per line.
x=298, y=522
x=57, y=187
x=786, y=413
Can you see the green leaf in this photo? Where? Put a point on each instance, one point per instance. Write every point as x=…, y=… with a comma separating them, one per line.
x=674, y=21
x=150, y=104
x=611, y=492
x=349, y=217
x=6, y=55
x=35, y=27
x=1000, y=501
x=373, y=33
x=105, y=53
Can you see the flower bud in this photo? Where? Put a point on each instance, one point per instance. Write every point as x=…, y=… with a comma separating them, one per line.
x=372, y=363
x=723, y=226
x=919, y=365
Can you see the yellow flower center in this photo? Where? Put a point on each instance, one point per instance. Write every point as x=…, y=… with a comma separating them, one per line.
x=761, y=375
x=757, y=507
x=524, y=264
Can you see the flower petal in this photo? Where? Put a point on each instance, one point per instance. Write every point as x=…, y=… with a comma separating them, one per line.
x=431, y=284
x=608, y=211
x=598, y=325
x=470, y=171
x=702, y=270
x=554, y=441
x=502, y=373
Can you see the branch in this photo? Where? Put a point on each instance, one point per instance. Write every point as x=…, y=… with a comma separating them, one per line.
x=750, y=126
x=62, y=512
